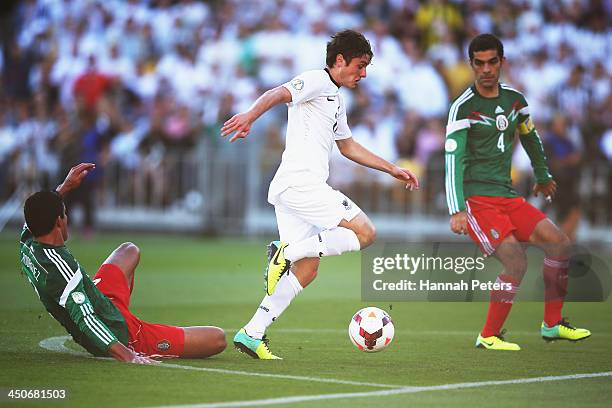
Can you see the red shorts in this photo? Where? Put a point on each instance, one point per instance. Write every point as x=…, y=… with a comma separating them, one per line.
x=150, y=339
x=492, y=219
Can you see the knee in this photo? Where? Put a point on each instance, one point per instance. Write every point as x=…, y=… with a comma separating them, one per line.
x=219, y=343
x=367, y=235
x=557, y=245
x=562, y=244
x=131, y=250
x=305, y=273
x=313, y=273
x=309, y=275
x=130, y=247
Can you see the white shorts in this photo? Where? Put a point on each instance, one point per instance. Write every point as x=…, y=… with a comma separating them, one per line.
x=306, y=212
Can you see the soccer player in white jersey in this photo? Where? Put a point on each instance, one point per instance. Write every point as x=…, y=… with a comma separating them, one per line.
x=313, y=219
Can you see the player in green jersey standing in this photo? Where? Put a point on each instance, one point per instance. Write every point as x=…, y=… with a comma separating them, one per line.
x=95, y=312
x=480, y=135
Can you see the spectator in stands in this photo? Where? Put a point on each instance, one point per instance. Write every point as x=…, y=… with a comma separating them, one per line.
x=208, y=57
x=565, y=160
x=90, y=87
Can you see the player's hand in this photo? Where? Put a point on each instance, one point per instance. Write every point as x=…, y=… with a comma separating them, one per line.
x=121, y=353
x=240, y=123
x=75, y=177
x=548, y=190
x=142, y=359
x=458, y=223
x=405, y=175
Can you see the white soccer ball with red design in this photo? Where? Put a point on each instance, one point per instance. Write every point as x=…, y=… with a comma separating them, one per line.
x=371, y=329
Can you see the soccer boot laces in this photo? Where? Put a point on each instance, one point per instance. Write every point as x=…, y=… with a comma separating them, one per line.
x=563, y=331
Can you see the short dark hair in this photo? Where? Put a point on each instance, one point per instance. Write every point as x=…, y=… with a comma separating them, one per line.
x=348, y=43
x=41, y=211
x=485, y=42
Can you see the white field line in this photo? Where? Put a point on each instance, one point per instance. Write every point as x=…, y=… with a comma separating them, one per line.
x=56, y=344
x=281, y=376
x=384, y=393
x=473, y=333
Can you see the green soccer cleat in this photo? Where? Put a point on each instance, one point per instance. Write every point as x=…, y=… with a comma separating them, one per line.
x=277, y=265
x=563, y=331
x=496, y=343
x=253, y=347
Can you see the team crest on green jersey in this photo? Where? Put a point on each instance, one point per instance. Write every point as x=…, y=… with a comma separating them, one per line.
x=501, y=122
x=78, y=297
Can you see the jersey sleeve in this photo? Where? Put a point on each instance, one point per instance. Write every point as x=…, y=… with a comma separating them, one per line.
x=530, y=139
x=69, y=292
x=454, y=157
x=306, y=86
x=341, y=127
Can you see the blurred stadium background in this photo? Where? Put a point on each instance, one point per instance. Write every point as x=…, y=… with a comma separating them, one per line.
x=142, y=87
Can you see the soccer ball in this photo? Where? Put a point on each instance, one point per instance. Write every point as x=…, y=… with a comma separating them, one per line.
x=371, y=329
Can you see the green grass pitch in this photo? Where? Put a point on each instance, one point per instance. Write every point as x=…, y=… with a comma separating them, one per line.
x=191, y=281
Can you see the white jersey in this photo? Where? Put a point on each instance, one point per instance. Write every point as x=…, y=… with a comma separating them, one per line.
x=316, y=119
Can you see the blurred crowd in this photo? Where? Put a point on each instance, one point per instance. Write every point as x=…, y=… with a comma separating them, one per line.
x=136, y=82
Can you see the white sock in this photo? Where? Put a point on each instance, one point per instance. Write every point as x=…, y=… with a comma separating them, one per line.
x=272, y=307
x=334, y=241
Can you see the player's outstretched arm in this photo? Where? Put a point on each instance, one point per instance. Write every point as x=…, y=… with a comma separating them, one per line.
x=359, y=154
x=74, y=178
x=240, y=124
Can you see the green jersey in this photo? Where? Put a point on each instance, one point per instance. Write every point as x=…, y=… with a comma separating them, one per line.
x=480, y=137
x=70, y=296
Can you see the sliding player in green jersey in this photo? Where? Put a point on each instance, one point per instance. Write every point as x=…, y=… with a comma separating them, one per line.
x=95, y=312
x=480, y=136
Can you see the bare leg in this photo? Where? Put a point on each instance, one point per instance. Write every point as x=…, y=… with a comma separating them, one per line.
x=305, y=270
x=200, y=341
x=548, y=237
x=203, y=341
x=512, y=256
x=126, y=257
x=362, y=227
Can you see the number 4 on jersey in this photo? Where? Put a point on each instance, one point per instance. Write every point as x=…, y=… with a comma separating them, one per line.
x=500, y=142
